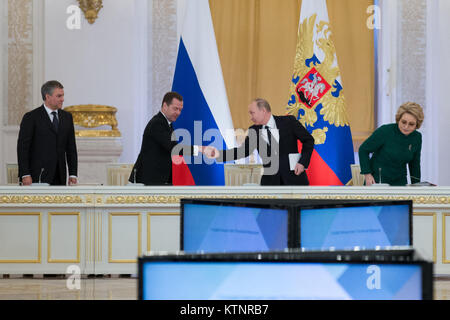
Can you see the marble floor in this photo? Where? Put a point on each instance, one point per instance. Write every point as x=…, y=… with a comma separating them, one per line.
x=108, y=289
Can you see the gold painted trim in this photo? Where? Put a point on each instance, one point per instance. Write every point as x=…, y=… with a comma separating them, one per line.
x=416, y=199
x=124, y=214
x=149, y=215
x=49, y=238
x=434, y=215
x=444, y=239
x=164, y=199
x=176, y=199
x=38, y=260
x=46, y=199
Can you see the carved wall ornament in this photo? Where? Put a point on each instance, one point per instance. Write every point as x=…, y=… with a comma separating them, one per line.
x=90, y=9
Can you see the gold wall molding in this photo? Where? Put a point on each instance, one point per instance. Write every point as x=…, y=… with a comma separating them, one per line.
x=43, y=199
x=434, y=215
x=445, y=260
x=155, y=214
x=415, y=199
x=105, y=199
x=39, y=215
x=176, y=199
x=139, y=232
x=49, y=237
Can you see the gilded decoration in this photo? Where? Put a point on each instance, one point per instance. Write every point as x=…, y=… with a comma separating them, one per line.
x=102, y=200
x=93, y=116
x=90, y=9
x=315, y=83
x=45, y=199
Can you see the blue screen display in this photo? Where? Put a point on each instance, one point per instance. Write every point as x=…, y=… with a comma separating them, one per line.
x=215, y=228
x=367, y=227
x=182, y=280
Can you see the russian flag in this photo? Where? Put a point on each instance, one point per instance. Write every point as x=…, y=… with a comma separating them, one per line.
x=317, y=98
x=206, y=118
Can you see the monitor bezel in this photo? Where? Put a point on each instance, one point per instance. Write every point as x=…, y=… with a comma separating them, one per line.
x=392, y=257
x=241, y=203
x=359, y=203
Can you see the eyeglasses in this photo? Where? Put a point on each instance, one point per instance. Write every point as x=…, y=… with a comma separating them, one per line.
x=411, y=124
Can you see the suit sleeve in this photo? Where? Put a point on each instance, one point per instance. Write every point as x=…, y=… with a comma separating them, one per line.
x=159, y=133
x=307, y=141
x=249, y=145
x=71, y=149
x=370, y=145
x=24, y=142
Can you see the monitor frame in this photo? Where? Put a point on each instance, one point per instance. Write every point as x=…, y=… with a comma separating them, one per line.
x=294, y=207
x=353, y=204
x=291, y=233
x=378, y=257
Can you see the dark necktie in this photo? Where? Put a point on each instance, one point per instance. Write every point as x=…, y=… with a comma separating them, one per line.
x=269, y=141
x=269, y=135
x=55, y=120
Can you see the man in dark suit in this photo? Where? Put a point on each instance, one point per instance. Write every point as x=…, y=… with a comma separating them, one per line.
x=154, y=163
x=275, y=138
x=46, y=140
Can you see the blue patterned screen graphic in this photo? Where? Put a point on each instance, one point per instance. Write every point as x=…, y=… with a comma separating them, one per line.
x=217, y=280
x=216, y=228
x=344, y=228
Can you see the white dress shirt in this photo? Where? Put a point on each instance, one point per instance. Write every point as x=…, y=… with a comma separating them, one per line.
x=273, y=130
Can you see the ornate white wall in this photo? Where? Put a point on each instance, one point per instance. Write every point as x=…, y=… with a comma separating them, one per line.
x=413, y=67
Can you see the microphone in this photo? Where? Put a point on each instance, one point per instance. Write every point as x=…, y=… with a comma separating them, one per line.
x=379, y=175
x=40, y=175
x=134, y=173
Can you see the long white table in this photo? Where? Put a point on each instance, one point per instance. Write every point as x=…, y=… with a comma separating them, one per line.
x=102, y=230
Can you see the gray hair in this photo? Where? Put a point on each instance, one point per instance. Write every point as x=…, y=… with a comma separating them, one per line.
x=48, y=88
x=262, y=103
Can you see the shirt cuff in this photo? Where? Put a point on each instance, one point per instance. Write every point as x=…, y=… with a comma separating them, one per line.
x=195, y=151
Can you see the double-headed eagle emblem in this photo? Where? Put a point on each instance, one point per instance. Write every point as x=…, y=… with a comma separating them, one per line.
x=315, y=83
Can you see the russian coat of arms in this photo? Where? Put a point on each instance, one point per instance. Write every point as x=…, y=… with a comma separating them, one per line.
x=316, y=82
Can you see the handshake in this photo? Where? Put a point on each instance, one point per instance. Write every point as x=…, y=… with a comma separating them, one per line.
x=210, y=151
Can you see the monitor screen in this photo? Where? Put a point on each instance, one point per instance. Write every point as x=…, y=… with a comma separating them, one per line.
x=367, y=226
x=287, y=280
x=209, y=227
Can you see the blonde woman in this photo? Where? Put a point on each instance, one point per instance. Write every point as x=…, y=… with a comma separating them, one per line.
x=393, y=146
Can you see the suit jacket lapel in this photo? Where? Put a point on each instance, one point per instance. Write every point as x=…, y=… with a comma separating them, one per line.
x=60, y=118
x=165, y=121
x=46, y=119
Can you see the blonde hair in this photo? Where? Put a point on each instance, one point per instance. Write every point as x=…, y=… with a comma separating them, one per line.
x=412, y=108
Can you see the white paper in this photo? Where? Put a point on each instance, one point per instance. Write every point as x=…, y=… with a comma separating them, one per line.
x=293, y=160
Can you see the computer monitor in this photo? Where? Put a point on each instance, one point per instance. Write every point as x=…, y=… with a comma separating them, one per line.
x=283, y=276
x=215, y=226
x=349, y=225
x=239, y=225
